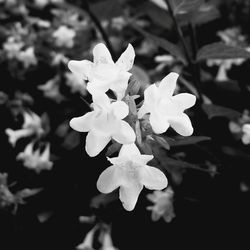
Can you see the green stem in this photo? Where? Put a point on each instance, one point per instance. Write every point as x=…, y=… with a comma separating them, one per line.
x=179, y=32
x=98, y=25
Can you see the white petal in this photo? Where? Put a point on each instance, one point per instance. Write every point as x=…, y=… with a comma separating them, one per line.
x=95, y=143
x=246, y=128
x=151, y=95
x=245, y=139
x=144, y=159
x=181, y=124
x=120, y=109
x=158, y=123
x=129, y=150
x=83, y=123
x=168, y=84
x=108, y=181
x=129, y=195
x=125, y=134
x=101, y=99
x=80, y=68
x=101, y=54
x=126, y=60
x=142, y=111
x=184, y=100
x=120, y=84
x=153, y=178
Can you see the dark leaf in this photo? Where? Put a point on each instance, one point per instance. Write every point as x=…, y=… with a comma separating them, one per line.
x=190, y=140
x=164, y=44
x=162, y=141
x=186, y=5
x=220, y=50
x=113, y=148
x=107, y=9
x=133, y=86
x=218, y=111
x=158, y=15
x=102, y=200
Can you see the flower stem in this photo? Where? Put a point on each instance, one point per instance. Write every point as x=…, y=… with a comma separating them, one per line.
x=100, y=28
x=191, y=61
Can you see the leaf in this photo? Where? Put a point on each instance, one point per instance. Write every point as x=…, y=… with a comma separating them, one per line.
x=184, y=141
x=164, y=44
x=107, y=9
x=206, y=13
x=133, y=86
x=113, y=148
x=187, y=6
x=141, y=76
x=162, y=141
x=220, y=50
x=158, y=15
x=213, y=110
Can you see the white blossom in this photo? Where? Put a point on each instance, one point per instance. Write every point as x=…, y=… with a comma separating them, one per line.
x=167, y=110
x=103, y=74
x=103, y=124
x=130, y=173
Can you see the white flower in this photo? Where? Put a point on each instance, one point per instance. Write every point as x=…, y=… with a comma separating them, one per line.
x=130, y=172
x=34, y=159
x=87, y=243
x=103, y=74
x=167, y=110
x=103, y=124
x=224, y=66
x=75, y=83
x=32, y=126
x=12, y=47
x=64, y=36
x=163, y=204
x=107, y=243
x=27, y=57
x=51, y=90
x=246, y=134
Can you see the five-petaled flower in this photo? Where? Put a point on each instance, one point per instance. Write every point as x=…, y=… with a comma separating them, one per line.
x=163, y=205
x=34, y=159
x=167, y=110
x=103, y=74
x=130, y=172
x=103, y=124
x=32, y=126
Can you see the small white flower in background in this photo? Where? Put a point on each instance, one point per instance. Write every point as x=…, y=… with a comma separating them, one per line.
x=51, y=90
x=103, y=74
x=41, y=3
x=163, y=205
x=167, y=110
x=246, y=134
x=75, y=83
x=224, y=66
x=35, y=159
x=64, y=36
x=130, y=172
x=27, y=57
x=12, y=47
x=88, y=241
x=106, y=241
x=164, y=60
x=58, y=58
x=32, y=126
x=103, y=124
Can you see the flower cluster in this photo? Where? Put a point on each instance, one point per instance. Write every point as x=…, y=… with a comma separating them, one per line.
x=112, y=120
